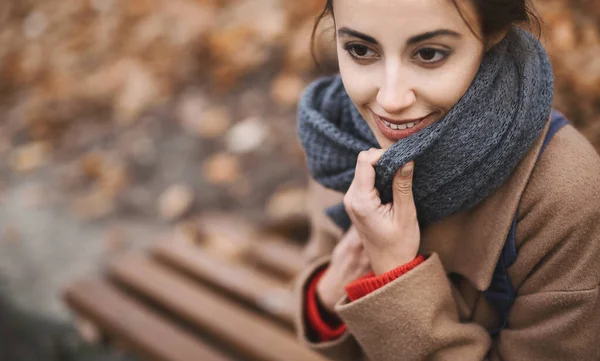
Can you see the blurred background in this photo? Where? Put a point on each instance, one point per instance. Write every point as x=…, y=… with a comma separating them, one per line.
x=122, y=120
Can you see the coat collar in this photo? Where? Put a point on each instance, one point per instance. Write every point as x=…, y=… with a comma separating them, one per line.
x=469, y=243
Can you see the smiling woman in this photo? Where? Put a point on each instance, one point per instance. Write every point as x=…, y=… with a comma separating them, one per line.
x=454, y=236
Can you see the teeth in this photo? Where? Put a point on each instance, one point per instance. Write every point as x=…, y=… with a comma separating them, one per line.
x=400, y=126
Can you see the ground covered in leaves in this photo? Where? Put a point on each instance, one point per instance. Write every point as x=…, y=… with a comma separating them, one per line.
x=124, y=120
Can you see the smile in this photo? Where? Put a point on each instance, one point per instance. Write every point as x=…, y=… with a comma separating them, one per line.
x=400, y=126
x=398, y=130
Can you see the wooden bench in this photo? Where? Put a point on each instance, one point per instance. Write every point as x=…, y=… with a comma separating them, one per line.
x=226, y=295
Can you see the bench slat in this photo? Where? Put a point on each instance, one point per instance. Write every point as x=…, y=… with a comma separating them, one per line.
x=279, y=254
x=246, y=331
x=134, y=324
x=266, y=292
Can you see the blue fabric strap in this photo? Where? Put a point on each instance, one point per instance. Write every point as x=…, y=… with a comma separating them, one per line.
x=501, y=294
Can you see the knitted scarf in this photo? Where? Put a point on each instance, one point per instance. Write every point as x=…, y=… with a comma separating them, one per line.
x=460, y=159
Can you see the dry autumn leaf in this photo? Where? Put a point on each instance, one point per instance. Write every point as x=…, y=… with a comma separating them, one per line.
x=175, y=201
x=93, y=205
x=222, y=168
x=92, y=164
x=247, y=135
x=29, y=157
x=286, y=89
x=140, y=90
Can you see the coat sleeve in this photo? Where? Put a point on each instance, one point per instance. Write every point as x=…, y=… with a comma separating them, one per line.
x=344, y=348
x=556, y=315
x=317, y=254
x=414, y=317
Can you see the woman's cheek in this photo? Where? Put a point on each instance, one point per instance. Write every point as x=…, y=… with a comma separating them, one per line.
x=456, y=81
x=359, y=81
x=446, y=88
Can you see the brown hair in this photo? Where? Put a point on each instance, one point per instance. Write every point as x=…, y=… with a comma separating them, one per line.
x=494, y=17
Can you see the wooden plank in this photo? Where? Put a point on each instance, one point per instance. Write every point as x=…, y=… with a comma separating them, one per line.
x=278, y=254
x=247, y=332
x=234, y=237
x=230, y=235
x=266, y=292
x=128, y=321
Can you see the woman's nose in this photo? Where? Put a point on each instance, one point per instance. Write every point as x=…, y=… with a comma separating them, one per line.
x=395, y=94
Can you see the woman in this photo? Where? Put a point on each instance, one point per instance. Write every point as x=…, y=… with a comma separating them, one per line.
x=469, y=225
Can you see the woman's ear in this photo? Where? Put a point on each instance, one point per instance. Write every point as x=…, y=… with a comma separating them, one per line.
x=494, y=39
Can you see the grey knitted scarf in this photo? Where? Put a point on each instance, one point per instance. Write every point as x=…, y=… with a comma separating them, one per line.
x=460, y=159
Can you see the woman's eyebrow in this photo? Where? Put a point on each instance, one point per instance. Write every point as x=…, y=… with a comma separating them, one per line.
x=413, y=40
x=347, y=31
x=431, y=34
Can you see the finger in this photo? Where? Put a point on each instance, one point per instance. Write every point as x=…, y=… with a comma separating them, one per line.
x=362, y=197
x=403, y=199
x=364, y=175
x=351, y=238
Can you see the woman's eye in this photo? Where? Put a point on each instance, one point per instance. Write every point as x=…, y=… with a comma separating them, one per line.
x=360, y=51
x=430, y=55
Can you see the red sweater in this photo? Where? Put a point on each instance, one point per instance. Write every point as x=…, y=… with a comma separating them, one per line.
x=328, y=326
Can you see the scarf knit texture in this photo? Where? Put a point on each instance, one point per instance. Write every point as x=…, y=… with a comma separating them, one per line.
x=460, y=159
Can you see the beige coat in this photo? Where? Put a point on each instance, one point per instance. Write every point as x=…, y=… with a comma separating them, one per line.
x=424, y=316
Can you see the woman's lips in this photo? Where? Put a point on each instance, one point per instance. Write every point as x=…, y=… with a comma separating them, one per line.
x=396, y=134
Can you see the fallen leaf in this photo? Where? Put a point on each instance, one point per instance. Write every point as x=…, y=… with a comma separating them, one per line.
x=286, y=89
x=298, y=55
x=563, y=35
x=114, y=178
x=200, y=119
x=92, y=164
x=93, y=205
x=222, y=168
x=35, y=24
x=247, y=135
x=29, y=157
x=175, y=201
x=141, y=90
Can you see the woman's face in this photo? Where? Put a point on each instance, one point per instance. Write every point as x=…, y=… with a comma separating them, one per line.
x=405, y=63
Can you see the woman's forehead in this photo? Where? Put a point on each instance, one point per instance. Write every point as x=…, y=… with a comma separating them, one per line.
x=403, y=18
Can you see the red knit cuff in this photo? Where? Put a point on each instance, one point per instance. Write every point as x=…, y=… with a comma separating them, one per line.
x=327, y=326
x=365, y=285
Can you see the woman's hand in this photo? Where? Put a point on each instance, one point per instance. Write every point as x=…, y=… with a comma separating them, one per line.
x=348, y=262
x=390, y=233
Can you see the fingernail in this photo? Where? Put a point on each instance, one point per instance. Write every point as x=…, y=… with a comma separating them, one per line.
x=407, y=169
